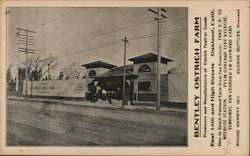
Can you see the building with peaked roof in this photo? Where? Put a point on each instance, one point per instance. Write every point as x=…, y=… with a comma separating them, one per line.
x=141, y=78
x=140, y=85
x=97, y=68
x=94, y=69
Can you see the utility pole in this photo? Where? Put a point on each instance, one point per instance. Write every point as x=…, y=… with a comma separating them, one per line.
x=71, y=72
x=48, y=71
x=26, y=39
x=160, y=15
x=124, y=71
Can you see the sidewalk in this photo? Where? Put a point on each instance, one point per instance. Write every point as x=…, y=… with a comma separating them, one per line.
x=116, y=104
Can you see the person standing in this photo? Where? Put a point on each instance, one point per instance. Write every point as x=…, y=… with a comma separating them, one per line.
x=104, y=94
x=92, y=89
x=16, y=86
x=94, y=93
x=109, y=97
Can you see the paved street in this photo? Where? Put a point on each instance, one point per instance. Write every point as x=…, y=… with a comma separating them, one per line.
x=40, y=123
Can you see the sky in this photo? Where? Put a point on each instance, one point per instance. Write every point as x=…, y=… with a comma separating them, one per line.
x=84, y=35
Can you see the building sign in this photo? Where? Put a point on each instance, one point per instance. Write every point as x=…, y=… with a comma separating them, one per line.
x=60, y=88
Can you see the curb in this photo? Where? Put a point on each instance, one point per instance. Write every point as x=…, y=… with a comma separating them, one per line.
x=139, y=110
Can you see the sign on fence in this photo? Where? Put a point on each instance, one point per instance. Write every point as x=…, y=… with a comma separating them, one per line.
x=58, y=88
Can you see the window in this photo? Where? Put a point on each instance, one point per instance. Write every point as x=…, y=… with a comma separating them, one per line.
x=144, y=86
x=144, y=68
x=92, y=73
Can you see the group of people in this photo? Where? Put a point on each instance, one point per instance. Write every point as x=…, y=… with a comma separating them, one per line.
x=97, y=93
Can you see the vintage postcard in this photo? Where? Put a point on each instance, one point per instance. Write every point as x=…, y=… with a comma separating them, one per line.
x=124, y=77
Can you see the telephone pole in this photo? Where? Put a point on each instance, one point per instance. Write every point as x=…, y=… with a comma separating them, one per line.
x=124, y=71
x=25, y=39
x=160, y=15
x=48, y=71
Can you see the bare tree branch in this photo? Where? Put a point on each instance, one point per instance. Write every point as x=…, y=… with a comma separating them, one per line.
x=41, y=64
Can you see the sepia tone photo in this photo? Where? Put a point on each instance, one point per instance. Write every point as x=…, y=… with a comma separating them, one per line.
x=99, y=76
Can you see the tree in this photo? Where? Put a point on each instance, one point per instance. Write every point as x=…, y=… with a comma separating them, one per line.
x=39, y=67
x=73, y=71
x=10, y=81
x=9, y=77
x=21, y=73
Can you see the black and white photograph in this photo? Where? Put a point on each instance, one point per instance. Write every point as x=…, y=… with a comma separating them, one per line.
x=96, y=76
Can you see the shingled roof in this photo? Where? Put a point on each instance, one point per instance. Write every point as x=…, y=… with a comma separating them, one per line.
x=97, y=64
x=149, y=57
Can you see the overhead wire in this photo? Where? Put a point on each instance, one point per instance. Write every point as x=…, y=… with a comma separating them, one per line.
x=130, y=39
x=104, y=33
x=98, y=33
x=91, y=49
x=163, y=34
x=94, y=36
x=70, y=12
